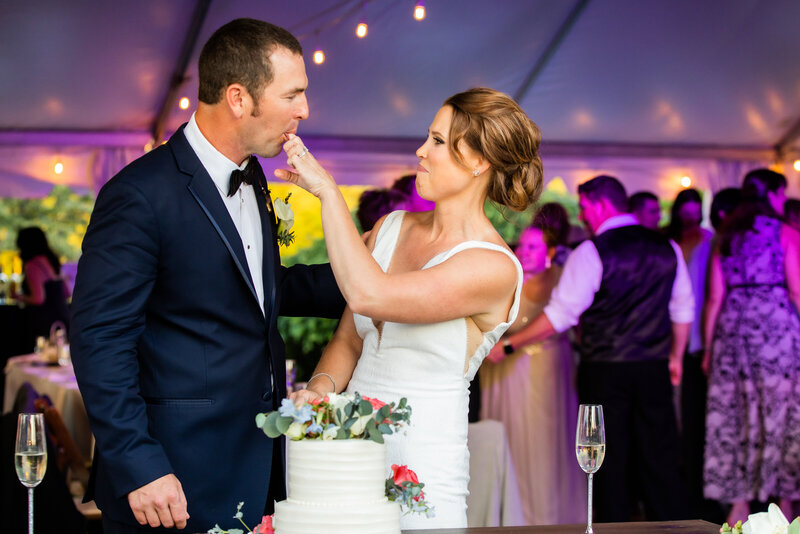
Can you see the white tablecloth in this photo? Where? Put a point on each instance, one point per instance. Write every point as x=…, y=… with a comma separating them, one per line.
x=59, y=384
x=493, y=499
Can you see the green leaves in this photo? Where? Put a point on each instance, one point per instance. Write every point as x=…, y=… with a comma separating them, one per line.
x=273, y=424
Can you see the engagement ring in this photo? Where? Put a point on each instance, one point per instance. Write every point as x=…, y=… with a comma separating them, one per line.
x=303, y=153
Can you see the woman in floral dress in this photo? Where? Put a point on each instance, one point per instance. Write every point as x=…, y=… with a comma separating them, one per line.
x=752, y=354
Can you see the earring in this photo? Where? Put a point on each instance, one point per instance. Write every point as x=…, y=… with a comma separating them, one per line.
x=475, y=172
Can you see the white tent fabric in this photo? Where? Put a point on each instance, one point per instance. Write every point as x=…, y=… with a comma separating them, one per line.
x=646, y=90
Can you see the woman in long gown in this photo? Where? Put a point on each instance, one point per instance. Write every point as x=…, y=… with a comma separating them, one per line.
x=532, y=391
x=437, y=290
x=752, y=335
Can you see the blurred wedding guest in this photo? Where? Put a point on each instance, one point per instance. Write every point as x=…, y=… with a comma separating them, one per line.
x=532, y=391
x=791, y=211
x=723, y=204
x=43, y=291
x=553, y=219
x=628, y=292
x=644, y=206
x=695, y=243
x=375, y=203
x=752, y=343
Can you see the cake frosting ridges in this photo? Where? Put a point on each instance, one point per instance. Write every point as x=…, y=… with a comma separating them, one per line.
x=336, y=487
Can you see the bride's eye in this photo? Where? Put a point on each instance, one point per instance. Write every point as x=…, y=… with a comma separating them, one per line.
x=438, y=141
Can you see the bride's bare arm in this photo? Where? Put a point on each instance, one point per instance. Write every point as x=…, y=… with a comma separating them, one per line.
x=337, y=363
x=474, y=283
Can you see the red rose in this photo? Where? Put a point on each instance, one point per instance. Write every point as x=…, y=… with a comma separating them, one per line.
x=401, y=473
x=376, y=404
x=265, y=527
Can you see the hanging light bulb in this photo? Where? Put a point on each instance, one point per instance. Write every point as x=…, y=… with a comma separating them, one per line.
x=58, y=168
x=686, y=181
x=797, y=165
x=419, y=10
x=361, y=30
x=183, y=103
x=319, y=56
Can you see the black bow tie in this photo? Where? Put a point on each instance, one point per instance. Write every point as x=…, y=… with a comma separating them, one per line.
x=246, y=176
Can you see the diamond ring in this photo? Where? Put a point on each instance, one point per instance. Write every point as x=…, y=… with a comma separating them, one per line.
x=303, y=153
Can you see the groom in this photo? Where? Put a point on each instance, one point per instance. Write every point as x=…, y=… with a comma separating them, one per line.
x=174, y=338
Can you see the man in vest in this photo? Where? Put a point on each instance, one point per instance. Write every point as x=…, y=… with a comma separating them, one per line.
x=628, y=292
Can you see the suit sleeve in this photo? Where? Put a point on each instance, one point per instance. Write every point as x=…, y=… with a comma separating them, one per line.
x=116, y=274
x=310, y=291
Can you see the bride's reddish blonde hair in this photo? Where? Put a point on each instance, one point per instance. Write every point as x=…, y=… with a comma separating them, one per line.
x=493, y=125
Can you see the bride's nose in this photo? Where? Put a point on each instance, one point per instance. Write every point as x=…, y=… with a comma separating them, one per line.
x=421, y=152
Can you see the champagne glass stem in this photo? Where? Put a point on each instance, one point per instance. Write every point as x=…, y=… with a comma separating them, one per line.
x=30, y=510
x=589, y=507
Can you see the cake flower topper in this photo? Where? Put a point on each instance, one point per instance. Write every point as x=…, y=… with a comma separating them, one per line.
x=336, y=416
x=770, y=522
x=404, y=488
x=265, y=527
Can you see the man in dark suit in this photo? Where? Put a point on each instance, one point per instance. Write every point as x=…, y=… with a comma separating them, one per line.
x=174, y=337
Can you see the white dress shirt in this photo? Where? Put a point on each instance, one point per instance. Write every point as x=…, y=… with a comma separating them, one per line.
x=583, y=274
x=242, y=206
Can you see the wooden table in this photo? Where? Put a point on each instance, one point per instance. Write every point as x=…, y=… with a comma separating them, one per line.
x=667, y=527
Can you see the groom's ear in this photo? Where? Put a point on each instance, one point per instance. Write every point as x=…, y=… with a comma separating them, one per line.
x=236, y=97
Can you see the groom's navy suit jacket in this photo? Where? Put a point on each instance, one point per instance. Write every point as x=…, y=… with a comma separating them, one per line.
x=173, y=355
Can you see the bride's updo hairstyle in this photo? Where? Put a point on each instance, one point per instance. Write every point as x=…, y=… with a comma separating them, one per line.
x=493, y=125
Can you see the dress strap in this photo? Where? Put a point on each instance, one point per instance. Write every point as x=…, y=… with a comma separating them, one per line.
x=386, y=240
x=466, y=245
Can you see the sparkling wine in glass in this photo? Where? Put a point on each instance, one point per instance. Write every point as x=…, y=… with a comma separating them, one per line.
x=30, y=455
x=590, y=447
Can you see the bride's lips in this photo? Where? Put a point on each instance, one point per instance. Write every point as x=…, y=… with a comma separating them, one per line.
x=420, y=168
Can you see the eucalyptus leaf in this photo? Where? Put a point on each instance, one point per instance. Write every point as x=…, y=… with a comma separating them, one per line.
x=283, y=423
x=348, y=409
x=384, y=412
x=342, y=434
x=270, y=427
x=364, y=408
x=384, y=428
x=261, y=419
x=350, y=422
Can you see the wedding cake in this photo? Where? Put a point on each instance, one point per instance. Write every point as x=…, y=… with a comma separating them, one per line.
x=336, y=487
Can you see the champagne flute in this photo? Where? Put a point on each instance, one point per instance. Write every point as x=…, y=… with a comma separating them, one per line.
x=590, y=447
x=30, y=455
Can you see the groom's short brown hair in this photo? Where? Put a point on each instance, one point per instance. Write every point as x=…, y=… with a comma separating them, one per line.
x=238, y=52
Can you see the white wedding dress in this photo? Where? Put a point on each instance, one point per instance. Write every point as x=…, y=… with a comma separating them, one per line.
x=425, y=363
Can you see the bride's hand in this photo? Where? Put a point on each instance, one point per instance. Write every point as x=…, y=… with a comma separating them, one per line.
x=303, y=396
x=308, y=173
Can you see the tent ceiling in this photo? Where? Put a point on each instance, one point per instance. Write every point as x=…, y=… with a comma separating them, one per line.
x=670, y=73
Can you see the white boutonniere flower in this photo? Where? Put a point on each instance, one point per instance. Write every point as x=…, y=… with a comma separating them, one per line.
x=283, y=210
x=770, y=522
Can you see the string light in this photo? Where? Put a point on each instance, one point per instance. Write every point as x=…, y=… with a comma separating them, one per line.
x=686, y=181
x=361, y=30
x=419, y=10
x=797, y=165
x=183, y=103
x=319, y=56
x=58, y=168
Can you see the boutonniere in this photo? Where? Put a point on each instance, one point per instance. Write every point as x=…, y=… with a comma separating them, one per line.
x=283, y=210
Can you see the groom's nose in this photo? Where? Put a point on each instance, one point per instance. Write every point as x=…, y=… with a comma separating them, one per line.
x=302, y=109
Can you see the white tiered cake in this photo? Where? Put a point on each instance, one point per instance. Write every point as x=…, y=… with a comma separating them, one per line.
x=336, y=487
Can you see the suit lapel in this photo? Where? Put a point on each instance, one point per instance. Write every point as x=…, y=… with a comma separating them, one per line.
x=202, y=188
x=271, y=258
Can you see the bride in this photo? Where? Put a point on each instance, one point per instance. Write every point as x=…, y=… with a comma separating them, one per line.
x=438, y=289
